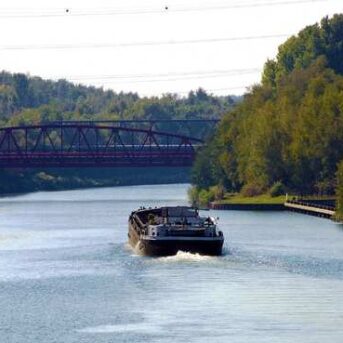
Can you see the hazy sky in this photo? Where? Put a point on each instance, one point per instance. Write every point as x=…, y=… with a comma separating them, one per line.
x=152, y=47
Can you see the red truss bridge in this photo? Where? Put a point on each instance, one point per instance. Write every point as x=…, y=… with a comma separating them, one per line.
x=86, y=144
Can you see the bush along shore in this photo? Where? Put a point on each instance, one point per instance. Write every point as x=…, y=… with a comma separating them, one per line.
x=24, y=181
x=218, y=197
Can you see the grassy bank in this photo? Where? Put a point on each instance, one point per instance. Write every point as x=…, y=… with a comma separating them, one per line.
x=266, y=202
x=239, y=199
x=216, y=197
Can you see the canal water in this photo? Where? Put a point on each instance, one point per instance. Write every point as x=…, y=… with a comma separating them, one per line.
x=68, y=276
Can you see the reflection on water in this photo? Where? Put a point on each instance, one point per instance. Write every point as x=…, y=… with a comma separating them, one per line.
x=68, y=275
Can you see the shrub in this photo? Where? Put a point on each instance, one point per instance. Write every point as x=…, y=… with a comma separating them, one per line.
x=277, y=189
x=202, y=197
x=193, y=195
x=205, y=197
x=217, y=192
x=252, y=190
x=325, y=187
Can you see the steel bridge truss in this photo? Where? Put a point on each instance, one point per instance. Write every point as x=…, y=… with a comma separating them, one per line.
x=89, y=145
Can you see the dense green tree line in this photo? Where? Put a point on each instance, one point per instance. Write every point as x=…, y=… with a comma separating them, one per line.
x=289, y=128
x=25, y=99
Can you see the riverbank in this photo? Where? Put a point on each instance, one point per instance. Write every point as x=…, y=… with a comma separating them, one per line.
x=248, y=207
x=266, y=202
x=263, y=202
x=263, y=199
x=25, y=181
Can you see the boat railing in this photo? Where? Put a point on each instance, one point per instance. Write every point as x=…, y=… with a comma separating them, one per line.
x=138, y=222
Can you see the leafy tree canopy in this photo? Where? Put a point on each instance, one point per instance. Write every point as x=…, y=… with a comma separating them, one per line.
x=288, y=129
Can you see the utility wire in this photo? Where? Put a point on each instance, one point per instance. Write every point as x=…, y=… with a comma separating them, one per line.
x=133, y=44
x=168, y=79
x=202, y=73
x=70, y=12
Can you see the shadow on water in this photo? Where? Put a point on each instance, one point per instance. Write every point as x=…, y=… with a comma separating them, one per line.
x=339, y=226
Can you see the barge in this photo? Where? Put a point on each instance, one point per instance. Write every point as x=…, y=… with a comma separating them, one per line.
x=164, y=231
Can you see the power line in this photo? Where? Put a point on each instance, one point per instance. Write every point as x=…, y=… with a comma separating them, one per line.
x=185, y=78
x=70, y=12
x=201, y=73
x=133, y=44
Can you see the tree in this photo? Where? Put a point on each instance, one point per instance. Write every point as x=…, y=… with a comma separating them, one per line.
x=288, y=129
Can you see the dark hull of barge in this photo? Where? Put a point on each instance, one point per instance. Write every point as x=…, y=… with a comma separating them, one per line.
x=168, y=247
